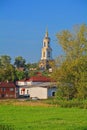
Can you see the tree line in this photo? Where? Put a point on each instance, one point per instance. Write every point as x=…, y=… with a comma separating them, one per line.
x=16, y=71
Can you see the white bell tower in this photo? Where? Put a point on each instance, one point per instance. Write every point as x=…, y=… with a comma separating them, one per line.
x=46, y=53
x=46, y=50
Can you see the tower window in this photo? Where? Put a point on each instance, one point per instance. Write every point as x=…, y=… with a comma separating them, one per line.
x=44, y=44
x=48, y=54
x=43, y=54
x=48, y=44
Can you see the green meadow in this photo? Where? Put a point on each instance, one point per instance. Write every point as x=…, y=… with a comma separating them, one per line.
x=17, y=117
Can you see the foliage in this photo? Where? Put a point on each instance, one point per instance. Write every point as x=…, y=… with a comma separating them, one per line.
x=20, y=74
x=7, y=73
x=19, y=62
x=71, y=73
x=74, y=44
x=77, y=103
x=5, y=60
x=45, y=73
x=31, y=69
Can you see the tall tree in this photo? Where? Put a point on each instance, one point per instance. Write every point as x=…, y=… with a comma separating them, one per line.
x=7, y=73
x=5, y=60
x=71, y=74
x=74, y=44
x=19, y=62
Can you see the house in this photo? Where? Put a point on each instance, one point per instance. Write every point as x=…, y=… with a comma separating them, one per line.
x=37, y=86
x=42, y=90
x=8, y=90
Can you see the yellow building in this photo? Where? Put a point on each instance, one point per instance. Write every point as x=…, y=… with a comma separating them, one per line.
x=46, y=54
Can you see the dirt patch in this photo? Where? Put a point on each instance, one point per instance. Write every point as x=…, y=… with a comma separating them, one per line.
x=31, y=103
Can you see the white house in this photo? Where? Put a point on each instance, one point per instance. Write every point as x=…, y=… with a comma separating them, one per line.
x=42, y=90
x=37, y=86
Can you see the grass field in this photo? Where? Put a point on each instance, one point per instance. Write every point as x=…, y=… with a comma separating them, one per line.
x=41, y=117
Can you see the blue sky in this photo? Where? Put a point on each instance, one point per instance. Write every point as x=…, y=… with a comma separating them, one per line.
x=23, y=25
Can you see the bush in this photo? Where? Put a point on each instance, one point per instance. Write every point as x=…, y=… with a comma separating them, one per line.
x=68, y=103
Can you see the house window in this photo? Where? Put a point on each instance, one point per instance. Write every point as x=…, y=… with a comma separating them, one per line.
x=2, y=95
x=11, y=89
x=27, y=91
x=23, y=91
x=3, y=89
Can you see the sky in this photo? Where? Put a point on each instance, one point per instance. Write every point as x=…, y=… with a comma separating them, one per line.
x=23, y=24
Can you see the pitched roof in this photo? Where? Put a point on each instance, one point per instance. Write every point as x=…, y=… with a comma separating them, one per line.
x=7, y=84
x=39, y=79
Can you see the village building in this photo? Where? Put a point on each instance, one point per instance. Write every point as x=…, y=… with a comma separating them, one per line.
x=8, y=90
x=37, y=86
x=46, y=53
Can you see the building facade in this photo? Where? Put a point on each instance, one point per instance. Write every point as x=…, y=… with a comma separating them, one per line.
x=36, y=86
x=8, y=90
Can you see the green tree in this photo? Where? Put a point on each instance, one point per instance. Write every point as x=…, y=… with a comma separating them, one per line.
x=19, y=62
x=7, y=70
x=5, y=60
x=7, y=73
x=74, y=44
x=20, y=75
x=31, y=69
x=71, y=73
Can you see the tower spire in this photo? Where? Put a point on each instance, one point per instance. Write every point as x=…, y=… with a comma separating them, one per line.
x=46, y=35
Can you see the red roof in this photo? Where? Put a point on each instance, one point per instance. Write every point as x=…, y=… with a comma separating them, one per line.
x=7, y=84
x=39, y=79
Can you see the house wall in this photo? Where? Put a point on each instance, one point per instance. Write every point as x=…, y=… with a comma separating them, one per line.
x=51, y=91
x=22, y=83
x=39, y=92
x=7, y=92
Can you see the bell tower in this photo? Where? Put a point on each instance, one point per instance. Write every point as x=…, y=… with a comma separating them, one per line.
x=46, y=54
